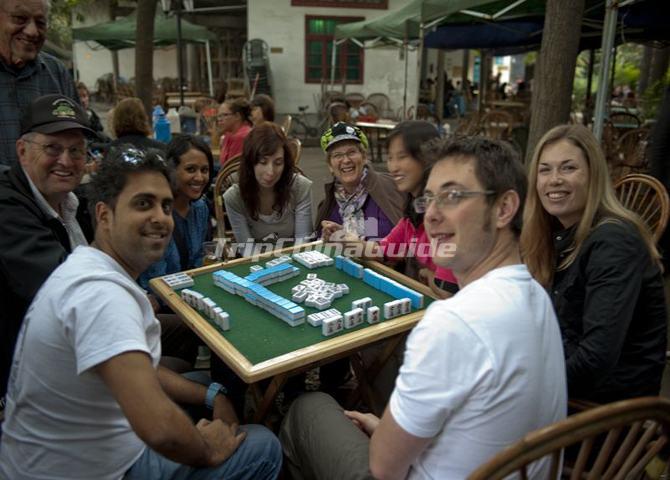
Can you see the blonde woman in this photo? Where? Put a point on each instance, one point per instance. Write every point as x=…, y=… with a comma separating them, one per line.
x=601, y=266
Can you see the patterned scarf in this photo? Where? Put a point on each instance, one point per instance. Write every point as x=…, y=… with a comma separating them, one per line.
x=351, y=206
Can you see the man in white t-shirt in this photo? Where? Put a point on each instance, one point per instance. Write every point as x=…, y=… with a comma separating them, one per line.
x=481, y=369
x=86, y=397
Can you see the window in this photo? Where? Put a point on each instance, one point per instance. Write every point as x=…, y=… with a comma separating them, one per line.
x=319, y=32
x=382, y=4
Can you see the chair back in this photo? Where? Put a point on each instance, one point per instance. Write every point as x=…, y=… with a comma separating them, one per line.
x=296, y=149
x=497, y=124
x=615, y=441
x=286, y=124
x=226, y=177
x=647, y=197
x=629, y=155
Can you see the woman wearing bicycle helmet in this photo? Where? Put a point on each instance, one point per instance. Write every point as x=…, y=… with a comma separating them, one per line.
x=360, y=201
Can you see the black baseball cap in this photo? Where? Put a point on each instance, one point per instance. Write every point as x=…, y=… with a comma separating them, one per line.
x=54, y=113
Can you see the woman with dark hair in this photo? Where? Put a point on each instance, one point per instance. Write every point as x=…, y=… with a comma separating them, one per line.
x=271, y=201
x=601, y=266
x=409, y=167
x=191, y=161
x=262, y=109
x=85, y=97
x=131, y=126
x=235, y=123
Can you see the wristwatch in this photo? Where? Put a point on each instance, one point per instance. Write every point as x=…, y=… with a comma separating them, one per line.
x=213, y=390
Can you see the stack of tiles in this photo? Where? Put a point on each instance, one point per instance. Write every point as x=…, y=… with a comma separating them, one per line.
x=178, y=280
x=331, y=325
x=255, y=268
x=276, y=305
x=348, y=266
x=317, y=293
x=313, y=259
x=273, y=274
x=373, y=315
x=316, y=319
x=362, y=303
x=353, y=318
x=392, y=288
x=396, y=308
x=278, y=261
x=207, y=306
x=258, y=295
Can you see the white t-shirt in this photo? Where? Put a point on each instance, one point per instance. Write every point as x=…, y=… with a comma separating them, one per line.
x=61, y=419
x=481, y=370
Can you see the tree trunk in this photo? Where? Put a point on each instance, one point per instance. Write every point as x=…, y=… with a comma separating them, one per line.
x=645, y=69
x=659, y=65
x=555, y=68
x=144, y=52
x=113, y=5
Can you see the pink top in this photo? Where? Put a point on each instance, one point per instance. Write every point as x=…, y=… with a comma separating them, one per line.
x=404, y=238
x=231, y=143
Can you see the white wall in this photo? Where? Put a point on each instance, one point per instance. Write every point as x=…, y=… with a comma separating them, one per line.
x=93, y=60
x=282, y=25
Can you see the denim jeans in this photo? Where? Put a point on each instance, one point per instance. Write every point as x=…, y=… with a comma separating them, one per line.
x=258, y=457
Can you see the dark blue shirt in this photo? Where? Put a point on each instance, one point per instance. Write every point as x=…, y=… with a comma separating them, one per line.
x=19, y=87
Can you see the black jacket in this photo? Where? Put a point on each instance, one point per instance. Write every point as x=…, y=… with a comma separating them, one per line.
x=32, y=245
x=611, y=308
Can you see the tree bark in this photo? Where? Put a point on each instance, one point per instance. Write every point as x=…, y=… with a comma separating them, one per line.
x=144, y=52
x=555, y=68
x=659, y=64
x=645, y=70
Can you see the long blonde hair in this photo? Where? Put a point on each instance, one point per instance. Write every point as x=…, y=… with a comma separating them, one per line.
x=602, y=206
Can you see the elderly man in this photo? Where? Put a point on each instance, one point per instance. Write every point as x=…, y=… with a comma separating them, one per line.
x=481, y=369
x=25, y=72
x=38, y=228
x=87, y=398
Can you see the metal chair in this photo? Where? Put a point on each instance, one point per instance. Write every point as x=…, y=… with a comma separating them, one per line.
x=647, y=197
x=616, y=441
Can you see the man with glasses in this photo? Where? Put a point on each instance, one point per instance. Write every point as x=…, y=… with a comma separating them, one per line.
x=87, y=398
x=481, y=369
x=25, y=72
x=38, y=226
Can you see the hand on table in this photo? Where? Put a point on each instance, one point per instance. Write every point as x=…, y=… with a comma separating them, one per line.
x=367, y=422
x=328, y=228
x=223, y=410
x=222, y=439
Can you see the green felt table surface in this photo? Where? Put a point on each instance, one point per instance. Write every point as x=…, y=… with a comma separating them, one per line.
x=260, y=336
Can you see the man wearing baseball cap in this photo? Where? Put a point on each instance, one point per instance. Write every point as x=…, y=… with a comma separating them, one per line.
x=38, y=228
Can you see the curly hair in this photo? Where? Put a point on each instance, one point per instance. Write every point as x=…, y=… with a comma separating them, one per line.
x=111, y=177
x=267, y=106
x=265, y=139
x=130, y=118
x=182, y=143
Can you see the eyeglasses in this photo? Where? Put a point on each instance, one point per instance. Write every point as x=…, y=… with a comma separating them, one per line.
x=350, y=154
x=136, y=157
x=224, y=115
x=23, y=20
x=447, y=198
x=56, y=150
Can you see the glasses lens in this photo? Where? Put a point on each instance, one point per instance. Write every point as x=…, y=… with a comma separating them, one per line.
x=54, y=150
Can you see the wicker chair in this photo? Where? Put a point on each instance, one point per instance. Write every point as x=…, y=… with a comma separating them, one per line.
x=296, y=149
x=382, y=103
x=497, y=124
x=647, y=197
x=226, y=177
x=616, y=441
x=629, y=155
x=286, y=124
